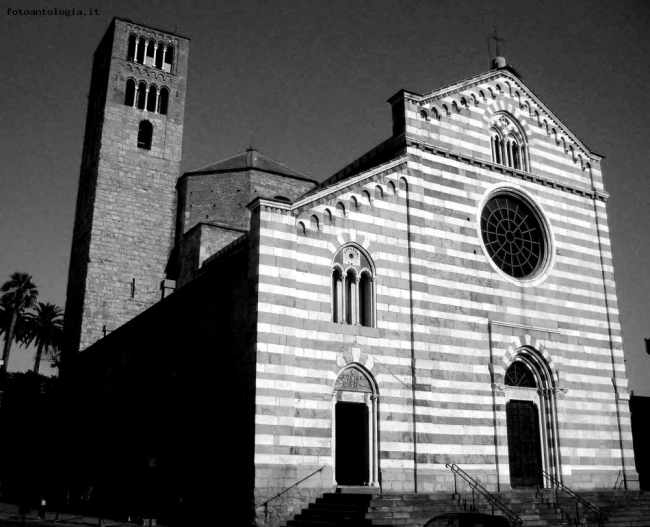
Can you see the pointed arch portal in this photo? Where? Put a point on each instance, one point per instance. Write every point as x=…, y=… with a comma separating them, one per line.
x=354, y=430
x=531, y=420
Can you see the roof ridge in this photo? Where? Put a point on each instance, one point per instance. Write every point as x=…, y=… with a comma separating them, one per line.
x=215, y=162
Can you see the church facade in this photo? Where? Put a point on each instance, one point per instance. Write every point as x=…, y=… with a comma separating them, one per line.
x=449, y=297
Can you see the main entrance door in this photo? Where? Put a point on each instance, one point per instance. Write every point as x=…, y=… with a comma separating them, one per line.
x=523, y=442
x=351, y=443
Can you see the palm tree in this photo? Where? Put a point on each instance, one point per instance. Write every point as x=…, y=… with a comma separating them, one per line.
x=18, y=293
x=44, y=327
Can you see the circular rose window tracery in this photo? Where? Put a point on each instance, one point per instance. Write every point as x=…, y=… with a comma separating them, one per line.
x=514, y=236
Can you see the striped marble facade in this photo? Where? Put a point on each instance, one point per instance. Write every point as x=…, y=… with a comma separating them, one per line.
x=447, y=324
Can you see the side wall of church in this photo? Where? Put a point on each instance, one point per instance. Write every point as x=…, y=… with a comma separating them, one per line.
x=447, y=324
x=168, y=403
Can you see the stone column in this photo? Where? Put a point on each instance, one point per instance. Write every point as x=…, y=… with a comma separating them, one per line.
x=374, y=442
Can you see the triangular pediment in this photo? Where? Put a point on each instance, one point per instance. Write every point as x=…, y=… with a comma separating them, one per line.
x=503, y=87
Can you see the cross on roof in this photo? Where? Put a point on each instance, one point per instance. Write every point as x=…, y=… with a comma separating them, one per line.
x=497, y=39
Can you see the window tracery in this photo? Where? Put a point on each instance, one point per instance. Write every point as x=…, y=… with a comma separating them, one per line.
x=508, y=145
x=353, y=291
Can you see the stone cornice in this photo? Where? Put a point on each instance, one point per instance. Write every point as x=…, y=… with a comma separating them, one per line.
x=519, y=174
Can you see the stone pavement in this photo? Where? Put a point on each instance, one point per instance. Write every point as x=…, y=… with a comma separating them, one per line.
x=9, y=516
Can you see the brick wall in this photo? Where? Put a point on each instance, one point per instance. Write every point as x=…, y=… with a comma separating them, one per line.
x=223, y=197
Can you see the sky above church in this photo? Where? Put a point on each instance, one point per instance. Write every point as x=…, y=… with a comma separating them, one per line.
x=308, y=80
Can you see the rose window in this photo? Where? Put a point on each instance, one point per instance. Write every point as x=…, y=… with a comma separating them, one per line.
x=513, y=235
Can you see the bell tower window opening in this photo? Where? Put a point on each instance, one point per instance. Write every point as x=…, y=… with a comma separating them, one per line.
x=160, y=50
x=152, y=99
x=142, y=96
x=145, y=135
x=129, y=96
x=139, y=50
x=168, y=58
x=151, y=53
x=130, y=53
x=353, y=288
x=163, y=104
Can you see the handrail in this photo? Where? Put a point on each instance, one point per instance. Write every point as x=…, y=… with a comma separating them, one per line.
x=623, y=480
x=601, y=517
x=266, y=503
x=475, y=485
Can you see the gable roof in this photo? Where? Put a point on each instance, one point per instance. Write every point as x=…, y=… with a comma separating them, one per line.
x=251, y=159
x=512, y=77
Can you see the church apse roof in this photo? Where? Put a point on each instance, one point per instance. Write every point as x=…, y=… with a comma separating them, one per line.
x=251, y=159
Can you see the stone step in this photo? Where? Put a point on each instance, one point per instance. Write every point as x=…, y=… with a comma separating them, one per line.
x=536, y=509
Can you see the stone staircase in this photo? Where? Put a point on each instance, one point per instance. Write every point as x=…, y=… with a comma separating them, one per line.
x=623, y=508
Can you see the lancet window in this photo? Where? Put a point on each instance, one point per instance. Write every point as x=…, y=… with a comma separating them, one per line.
x=353, y=287
x=508, y=145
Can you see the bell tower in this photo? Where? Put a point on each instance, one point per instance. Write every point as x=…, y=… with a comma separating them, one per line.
x=125, y=212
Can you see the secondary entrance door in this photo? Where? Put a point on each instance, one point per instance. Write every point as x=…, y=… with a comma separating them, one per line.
x=523, y=442
x=351, y=443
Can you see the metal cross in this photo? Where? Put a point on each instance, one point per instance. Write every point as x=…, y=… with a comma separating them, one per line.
x=497, y=39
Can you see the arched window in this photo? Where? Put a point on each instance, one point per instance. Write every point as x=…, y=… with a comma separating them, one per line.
x=145, y=134
x=169, y=58
x=139, y=52
x=351, y=298
x=163, y=104
x=129, y=97
x=130, y=52
x=152, y=101
x=160, y=51
x=337, y=294
x=142, y=96
x=507, y=143
x=365, y=299
x=353, y=291
x=151, y=53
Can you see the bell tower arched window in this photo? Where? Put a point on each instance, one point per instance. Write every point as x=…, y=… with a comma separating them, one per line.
x=353, y=288
x=508, y=144
x=145, y=134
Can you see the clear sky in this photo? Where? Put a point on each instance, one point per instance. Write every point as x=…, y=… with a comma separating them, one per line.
x=309, y=79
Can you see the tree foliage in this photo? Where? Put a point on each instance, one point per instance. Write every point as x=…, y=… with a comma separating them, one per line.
x=18, y=294
x=44, y=328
